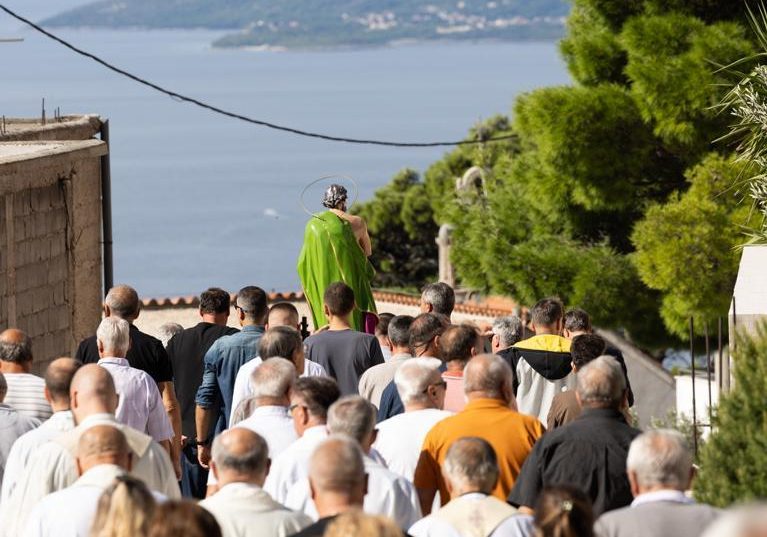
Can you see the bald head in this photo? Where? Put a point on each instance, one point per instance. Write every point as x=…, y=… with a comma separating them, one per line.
x=471, y=466
x=103, y=444
x=282, y=314
x=122, y=301
x=58, y=380
x=15, y=347
x=488, y=376
x=92, y=392
x=337, y=475
x=240, y=455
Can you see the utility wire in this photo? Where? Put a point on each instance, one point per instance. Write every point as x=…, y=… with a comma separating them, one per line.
x=221, y=111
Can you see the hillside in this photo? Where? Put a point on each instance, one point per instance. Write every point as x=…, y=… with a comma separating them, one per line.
x=318, y=23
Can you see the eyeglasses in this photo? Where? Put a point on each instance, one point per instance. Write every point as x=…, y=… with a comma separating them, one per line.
x=442, y=384
x=291, y=408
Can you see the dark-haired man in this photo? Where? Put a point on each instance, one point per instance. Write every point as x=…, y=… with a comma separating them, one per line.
x=458, y=345
x=374, y=380
x=382, y=334
x=344, y=353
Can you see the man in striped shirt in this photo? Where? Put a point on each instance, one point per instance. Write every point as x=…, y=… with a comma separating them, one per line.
x=26, y=392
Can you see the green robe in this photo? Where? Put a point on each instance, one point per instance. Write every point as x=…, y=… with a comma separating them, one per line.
x=330, y=254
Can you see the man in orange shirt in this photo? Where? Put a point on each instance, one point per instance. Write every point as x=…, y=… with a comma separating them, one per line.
x=488, y=415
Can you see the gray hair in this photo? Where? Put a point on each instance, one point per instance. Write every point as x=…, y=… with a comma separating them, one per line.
x=413, y=378
x=16, y=352
x=334, y=196
x=601, y=383
x=489, y=374
x=114, y=335
x=273, y=378
x=123, y=301
x=508, y=329
x=471, y=463
x=441, y=297
x=353, y=416
x=251, y=460
x=3, y=387
x=167, y=331
x=337, y=464
x=660, y=457
x=746, y=521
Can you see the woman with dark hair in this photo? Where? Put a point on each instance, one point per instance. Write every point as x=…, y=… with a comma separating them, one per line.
x=563, y=511
x=183, y=518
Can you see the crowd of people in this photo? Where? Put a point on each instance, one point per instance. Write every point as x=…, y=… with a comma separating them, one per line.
x=426, y=428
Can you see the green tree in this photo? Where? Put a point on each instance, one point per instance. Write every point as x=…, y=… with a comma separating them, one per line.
x=734, y=460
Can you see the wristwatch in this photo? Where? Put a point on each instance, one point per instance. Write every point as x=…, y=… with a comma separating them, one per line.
x=203, y=442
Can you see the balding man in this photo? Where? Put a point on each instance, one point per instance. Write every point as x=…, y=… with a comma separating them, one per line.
x=58, y=378
x=103, y=455
x=26, y=392
x=659, y=467
x=388, y=494
x=590, y=452
x=53, y=467
x=471, y=472
x=241, y=506
x=13, y=424
x=337, y=481
x=490, y=414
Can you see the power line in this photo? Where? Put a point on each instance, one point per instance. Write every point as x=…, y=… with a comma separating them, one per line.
x=241, y=117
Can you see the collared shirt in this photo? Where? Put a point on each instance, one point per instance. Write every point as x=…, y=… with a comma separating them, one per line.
x=243, y=388
x=665, y=495
x=589, y=453
x=26, y=393
x=511, y=434
x=388, y=494
x=345, y=355
x=140, y=405
x=222, y=362
x=374, y=380
x=27, y=444
x=400, y=438
x=292, y=464
x=246, y=510
x=432, y=526
x=13, y=424
x=272, y=423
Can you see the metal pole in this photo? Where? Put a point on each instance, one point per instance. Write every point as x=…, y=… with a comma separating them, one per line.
x=106, y=210
x=692, y=369
x=708, y=372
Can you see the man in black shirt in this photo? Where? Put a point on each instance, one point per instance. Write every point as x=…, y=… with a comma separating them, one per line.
x=187, y=352
x=589, y=453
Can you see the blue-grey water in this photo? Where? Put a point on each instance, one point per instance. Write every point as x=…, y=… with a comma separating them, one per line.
x=202, y=200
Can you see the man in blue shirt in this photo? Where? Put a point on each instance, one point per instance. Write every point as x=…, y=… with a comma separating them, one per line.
x=222, y=361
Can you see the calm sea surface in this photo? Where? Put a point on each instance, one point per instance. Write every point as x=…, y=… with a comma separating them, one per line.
x=202, y=200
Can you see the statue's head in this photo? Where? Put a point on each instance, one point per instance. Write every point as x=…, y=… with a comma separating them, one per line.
x=335, y=197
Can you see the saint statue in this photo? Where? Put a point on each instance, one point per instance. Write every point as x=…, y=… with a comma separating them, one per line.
x=336, y=248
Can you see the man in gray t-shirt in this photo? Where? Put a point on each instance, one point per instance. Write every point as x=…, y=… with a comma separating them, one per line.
x=344, y=353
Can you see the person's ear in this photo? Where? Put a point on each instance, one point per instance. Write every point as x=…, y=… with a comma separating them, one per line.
x=437, y=340
x=693, y=476
x=79, y=466
x=326, y=310
x=214, y=469
x=633, y=483
x=532, y=327
x=100, y=346
x=373, y=436
x=47, y=394
x=106, y=310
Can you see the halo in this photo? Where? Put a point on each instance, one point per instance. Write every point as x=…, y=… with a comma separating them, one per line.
x=325, y=178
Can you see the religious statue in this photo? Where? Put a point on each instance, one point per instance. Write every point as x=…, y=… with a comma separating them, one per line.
x=336, y=248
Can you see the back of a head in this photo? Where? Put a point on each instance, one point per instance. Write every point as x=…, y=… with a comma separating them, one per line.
x=102, y=444
x=94, y=387
x=488, y=375
x=274, y=378
x=358, y=524
x=413, y=378
x=114, y=335
x=214, y=301
x=282, y=314
x=601, y=383
x=424, y=329
x=398, y=330
x=252, y=301
x=586, y=348
x=123, y=302
x=546, y=312
x=318, y=394
x=353, y=416
x=382, y=328
x=183, y=517
x=744, y=521
x=58, y=378
x=15, y=346
x=457, y=342
x=563, y=511
x=660, y=457
x=166, y=332
x=577, y=320
x=471, y=465
x=241, y=451
x=339, y=298
x=508, y=329
x=125, y=509
x=441, y=297
x=280, y=341
x=337, y=465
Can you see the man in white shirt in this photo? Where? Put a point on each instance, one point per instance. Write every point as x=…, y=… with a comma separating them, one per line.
x=309, y=403
x=25, y=390
x=241, y=507
x=280, y=314
x=58, y=378
x=53, y=466
x=377, y=378
x=422, y=390
x=103, y=455
x=13, y=424
x=388, y=494
x=471, y=472
x=140, y=405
